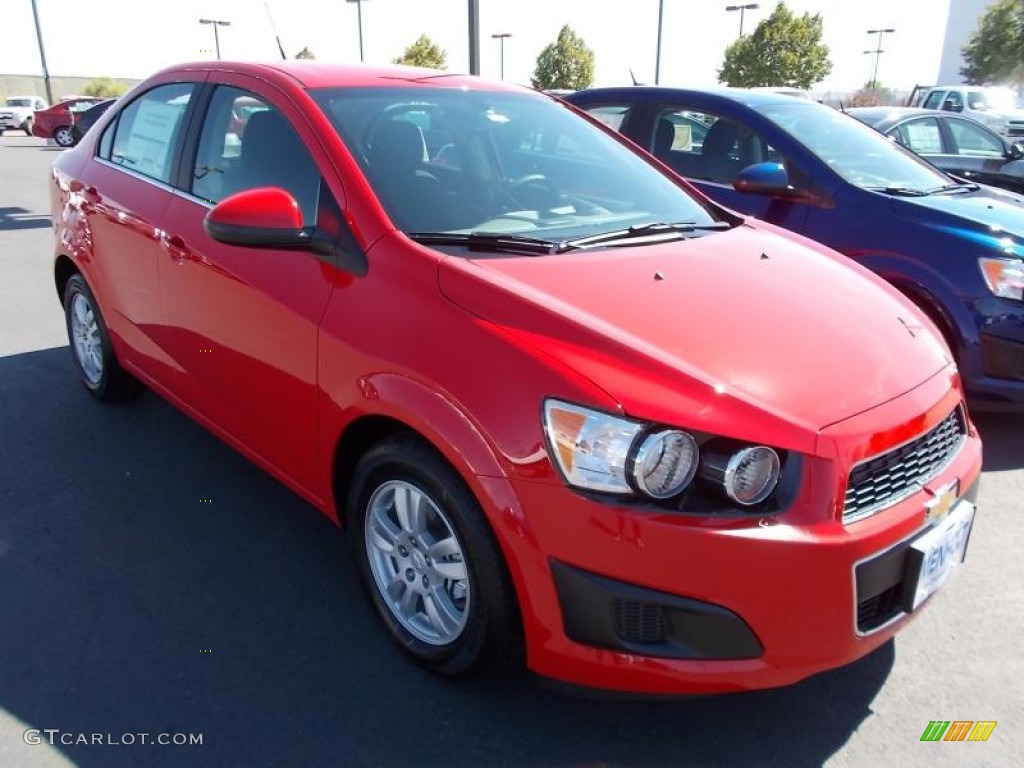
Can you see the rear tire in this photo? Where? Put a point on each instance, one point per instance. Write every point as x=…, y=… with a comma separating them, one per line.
x=91, y=350
x=429, y=561
x=63, y=136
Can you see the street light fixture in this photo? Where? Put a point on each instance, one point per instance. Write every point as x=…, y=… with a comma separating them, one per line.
x=742, y=9
x=216, y=36
x=501, y=37
x=359, y=13
x=877, y=52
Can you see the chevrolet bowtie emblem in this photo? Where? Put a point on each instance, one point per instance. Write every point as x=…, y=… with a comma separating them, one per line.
x=942, y=501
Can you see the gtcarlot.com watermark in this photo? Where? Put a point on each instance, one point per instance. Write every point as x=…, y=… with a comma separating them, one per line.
x=55, y=736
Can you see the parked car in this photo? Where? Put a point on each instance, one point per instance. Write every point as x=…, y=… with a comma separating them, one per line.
x=560, y=400
x=85, y=120
x=953, y=248
x=996, y=107
x=16, y=113
x=56, y=122
x=959, y=146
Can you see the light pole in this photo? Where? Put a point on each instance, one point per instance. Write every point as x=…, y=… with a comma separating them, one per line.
x=473, y=13
x=742, y=9
x=42, y=54
x=359, y=14
x=216, y=36
x=657, y=55
x=878, y=53
x=501, y=38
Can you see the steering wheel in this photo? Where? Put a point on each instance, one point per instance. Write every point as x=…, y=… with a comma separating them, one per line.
x=534, y=192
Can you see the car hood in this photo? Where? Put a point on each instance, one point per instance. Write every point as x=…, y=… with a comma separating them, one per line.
x=677, y=330
x=987, y=215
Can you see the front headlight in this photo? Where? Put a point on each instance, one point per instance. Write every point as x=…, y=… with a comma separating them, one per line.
x=1005, y=277
x=600, y=452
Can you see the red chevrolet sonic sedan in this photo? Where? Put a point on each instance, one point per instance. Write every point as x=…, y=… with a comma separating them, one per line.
x=565, y=406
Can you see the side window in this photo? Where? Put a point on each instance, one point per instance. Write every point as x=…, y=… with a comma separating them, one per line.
x=973, y=140
x=246, y=143
x=954, y=102
x=615, y=116
x=701, y=145
x=934, y=100
x=922, y=136
x=147, y=130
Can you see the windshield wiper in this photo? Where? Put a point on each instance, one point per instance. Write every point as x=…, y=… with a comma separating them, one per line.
x=899, y=191
x=964, y=186
x=486, y=241
x=673, y=231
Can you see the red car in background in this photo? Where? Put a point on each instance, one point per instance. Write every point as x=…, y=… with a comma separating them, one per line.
x=55, y=122
x=568, y=409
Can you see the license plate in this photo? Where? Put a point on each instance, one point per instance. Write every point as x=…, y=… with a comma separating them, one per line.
x=941, y=550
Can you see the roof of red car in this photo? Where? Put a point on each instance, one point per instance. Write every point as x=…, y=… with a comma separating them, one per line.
x=315, y=74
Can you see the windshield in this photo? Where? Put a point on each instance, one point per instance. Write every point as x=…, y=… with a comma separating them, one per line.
x=462, y=161
x=1000, y=99
x=19, y=102
x=861, y=155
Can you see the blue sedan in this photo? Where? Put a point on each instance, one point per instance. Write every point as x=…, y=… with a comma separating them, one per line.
x=955, y=248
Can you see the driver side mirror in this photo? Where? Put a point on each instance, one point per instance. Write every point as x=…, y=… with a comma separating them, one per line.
x=950, y=106
x=765, y=179
x=1016, y=151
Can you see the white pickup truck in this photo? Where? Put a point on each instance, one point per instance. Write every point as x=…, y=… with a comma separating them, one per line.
x=16, y=113
x=997, y=108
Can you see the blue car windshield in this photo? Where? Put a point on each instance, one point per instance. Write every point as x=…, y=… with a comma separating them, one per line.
x=454, y=160
x=861, y=155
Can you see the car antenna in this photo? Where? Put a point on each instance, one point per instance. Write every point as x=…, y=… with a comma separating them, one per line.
x=633, y=77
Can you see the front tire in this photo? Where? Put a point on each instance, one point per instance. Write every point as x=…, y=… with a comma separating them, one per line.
x=64, y=137
x=428, y=560
x=91, y=350
x=27, y=127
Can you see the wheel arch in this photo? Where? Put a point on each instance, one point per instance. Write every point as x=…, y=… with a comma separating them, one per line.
x=63, y=269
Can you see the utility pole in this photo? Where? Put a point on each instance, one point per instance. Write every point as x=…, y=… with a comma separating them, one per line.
x=742, y=9
x=359, y=14
x=216, y=35
x=42, y=54
x=878, y=53
x=501, y=38
x=474, y=37
x=657, y=55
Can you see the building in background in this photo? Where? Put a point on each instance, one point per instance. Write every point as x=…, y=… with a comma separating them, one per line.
x=963, y=20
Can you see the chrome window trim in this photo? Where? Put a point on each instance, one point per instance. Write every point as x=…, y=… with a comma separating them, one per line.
x=155, y=182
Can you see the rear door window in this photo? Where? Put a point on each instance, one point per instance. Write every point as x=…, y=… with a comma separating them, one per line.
x=922, y=136
x=146, y=133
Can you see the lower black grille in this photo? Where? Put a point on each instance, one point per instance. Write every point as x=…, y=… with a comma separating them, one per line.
x=638, y=622
x=877, y=610
x=886, y=479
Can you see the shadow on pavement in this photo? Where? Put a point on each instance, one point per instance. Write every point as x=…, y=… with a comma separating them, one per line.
x=1002, y=435
x=21, y=218
x=155, y=581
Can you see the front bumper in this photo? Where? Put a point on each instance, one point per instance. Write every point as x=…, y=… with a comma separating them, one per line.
x=993, y=364
x=781, y=591
x=11, y=123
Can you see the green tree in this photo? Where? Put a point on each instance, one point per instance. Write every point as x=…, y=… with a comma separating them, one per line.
x=104, y=86
x=424, y=53
x=305, y=53
x=565, y=63
x=785, y=50
x=995, y=52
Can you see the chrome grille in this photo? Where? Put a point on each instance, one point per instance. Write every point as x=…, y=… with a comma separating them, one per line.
x=890, y=477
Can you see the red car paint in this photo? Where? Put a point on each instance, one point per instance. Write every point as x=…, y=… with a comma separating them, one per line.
x=45, y=122
x=775, y=340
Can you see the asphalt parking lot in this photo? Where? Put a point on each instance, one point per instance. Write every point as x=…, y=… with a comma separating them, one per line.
x=153, y=581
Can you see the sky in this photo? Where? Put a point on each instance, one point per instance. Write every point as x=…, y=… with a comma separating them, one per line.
x=133, y=38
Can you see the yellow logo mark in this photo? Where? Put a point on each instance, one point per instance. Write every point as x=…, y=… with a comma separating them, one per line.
x=982, y=730
x=943, y=500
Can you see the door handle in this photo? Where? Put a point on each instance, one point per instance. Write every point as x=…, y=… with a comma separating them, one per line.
x=175, y=247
